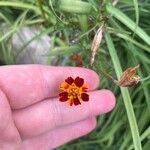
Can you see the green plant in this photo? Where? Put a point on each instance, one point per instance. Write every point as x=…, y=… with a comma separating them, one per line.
x=125, y=44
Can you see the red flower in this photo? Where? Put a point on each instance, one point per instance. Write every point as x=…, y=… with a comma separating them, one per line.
x=74, y=91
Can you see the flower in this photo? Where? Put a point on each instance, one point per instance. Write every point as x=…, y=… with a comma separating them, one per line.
x=74, y=91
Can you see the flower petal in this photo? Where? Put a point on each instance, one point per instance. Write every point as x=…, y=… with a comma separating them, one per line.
x=70, y=102
x=85, y=97
x=78, y=81
x=76, y=101
x=84, y=88
x=63, y=96
x=64, y=86
x=69, y=80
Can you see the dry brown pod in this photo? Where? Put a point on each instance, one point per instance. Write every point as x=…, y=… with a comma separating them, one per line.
x=76, y=57
x=96, y=42
x=97, y=39
x=128, y=77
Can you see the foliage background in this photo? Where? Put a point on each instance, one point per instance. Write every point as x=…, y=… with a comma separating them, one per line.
x=126, y=42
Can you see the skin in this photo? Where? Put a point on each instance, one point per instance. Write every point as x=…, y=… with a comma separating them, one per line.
x=32, y=117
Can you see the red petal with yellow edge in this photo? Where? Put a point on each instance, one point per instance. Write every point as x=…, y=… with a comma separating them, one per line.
x=71, y=103
x=84, y=89
x=85, y=97
x=76, y=101
x=63, y=96
x=64, y=86
x=78, y=81
x=69, y=80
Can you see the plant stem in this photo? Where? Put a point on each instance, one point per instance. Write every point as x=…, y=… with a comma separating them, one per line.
x=125, y=95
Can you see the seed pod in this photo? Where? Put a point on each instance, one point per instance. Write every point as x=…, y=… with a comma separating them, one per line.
x=128, y=77
x=96, y=42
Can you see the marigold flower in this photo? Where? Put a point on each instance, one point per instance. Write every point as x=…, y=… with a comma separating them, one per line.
x=74, y=91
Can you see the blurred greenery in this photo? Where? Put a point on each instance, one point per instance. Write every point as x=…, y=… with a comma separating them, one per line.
x=71, y=25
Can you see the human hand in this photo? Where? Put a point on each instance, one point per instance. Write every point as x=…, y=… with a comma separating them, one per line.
x=32, y=117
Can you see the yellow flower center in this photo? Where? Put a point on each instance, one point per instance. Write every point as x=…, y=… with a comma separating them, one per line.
x=73, y=91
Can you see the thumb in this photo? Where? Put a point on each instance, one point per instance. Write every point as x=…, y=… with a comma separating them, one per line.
x=9, y=136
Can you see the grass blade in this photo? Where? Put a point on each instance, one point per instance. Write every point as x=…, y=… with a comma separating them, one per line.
x=125, y=95
x=128, y=22
x=20, y=5
x=135, y=2
x=128, y=38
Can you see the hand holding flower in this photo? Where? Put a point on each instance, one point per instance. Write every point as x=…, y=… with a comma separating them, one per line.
x=31, y=115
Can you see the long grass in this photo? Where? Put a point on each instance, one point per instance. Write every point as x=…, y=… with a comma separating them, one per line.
x=126, y=42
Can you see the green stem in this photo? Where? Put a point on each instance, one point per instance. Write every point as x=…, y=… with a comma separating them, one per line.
x=39, y=3
x=125, y=95
x=146, y=78
x=19, y=5
x=145, y=134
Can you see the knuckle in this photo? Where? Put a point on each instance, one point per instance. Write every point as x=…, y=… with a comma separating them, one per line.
x=57, y=116
x=42, y=80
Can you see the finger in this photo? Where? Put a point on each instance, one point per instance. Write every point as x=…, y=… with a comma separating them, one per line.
x=60, y=136
x=50, y=114
x=28, y=84
x=9, y=136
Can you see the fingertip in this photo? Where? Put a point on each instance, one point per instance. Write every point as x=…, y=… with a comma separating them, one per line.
x=110, y=100
x=101, y=101
x=95, y=78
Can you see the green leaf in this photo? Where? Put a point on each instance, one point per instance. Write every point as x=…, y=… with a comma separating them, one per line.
x=75, y=6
